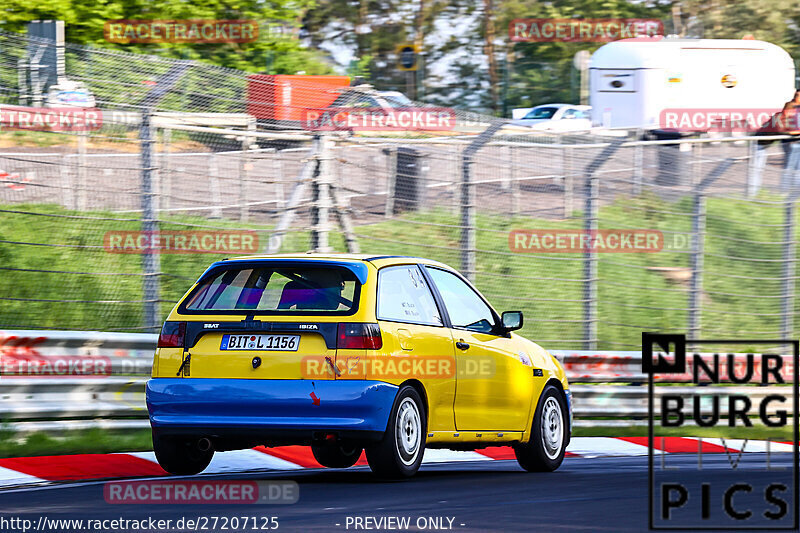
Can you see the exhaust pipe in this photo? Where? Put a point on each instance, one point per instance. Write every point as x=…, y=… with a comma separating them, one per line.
x=204, y=444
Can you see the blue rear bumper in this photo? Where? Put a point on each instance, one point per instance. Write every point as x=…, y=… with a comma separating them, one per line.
x=269, y=408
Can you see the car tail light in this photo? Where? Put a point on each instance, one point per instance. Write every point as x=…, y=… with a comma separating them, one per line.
x=359, y=336
x=172, y=335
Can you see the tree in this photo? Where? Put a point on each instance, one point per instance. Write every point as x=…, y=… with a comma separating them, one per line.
x=543, y=72
x=775, y=21
x=84, y=23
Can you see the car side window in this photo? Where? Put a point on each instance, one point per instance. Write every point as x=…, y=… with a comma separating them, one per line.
x=571, y=113
x=404, y=296
x=466, y=309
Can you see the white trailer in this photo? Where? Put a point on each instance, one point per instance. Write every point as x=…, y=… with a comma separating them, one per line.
x=634, y=80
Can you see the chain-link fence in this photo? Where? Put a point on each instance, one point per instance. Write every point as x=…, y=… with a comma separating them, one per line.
x=187, y=150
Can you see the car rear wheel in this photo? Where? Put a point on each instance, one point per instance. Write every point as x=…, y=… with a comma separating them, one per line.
x=341, y=455
x=545, y=450
x=181, y=456
x=399, y=453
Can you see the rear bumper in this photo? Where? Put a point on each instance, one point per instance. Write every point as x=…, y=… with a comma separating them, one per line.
x=269, y=410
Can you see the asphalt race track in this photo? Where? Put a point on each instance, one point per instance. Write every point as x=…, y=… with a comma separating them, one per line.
x=585, y=494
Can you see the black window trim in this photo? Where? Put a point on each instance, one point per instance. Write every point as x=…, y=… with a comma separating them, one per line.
x=434, y=293
x=497, y=323
x=217, y=269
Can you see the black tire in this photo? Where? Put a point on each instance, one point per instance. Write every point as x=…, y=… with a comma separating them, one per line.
x=399, y=454
x=180, y=455
x=342, y=455
x=548, y=443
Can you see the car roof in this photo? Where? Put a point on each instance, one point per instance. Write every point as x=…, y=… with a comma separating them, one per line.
x=559, y=106
x=379, y=260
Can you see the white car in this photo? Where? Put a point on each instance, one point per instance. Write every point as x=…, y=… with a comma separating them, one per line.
x=367, y=96
x=558, y=118
x=68, y=93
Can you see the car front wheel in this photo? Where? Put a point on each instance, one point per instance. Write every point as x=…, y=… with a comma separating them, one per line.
x=399, y=453
x=545, y=450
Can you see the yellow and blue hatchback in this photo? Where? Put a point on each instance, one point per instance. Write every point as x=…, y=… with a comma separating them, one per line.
x=346, y=353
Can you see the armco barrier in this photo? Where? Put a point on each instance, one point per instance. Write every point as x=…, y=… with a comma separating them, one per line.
x=69, y=353
x=37, y=395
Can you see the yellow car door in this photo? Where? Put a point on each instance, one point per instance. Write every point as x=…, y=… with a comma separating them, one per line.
x=494, y=385
x=417, y=343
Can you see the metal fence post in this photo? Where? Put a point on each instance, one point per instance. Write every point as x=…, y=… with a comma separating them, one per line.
x=468, y=264
x=391, y=180
x=698, y=242
x=638, y=165
x=749, y=185
x=244, y=174
x=454, y=171
x=165, y=172
x=506, y=177
x=277, y=169
x=789, y=267
x=150, y=257
x=514, y=181
x=697, y=172
x=569, y=196
x=216, y=195
x=67, y=192
x=590, y=265
x=592, y=192
x=423, y=198
x=696, y=262
x=81, y=175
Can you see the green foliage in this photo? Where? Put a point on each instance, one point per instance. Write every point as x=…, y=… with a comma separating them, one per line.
x=359, y=68
x=85, y=22
x=543, y=72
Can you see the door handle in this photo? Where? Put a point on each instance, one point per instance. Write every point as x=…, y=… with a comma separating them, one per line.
x=461, y=345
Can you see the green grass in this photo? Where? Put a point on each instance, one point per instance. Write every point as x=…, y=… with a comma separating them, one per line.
x=547, y=287
x=88, y=441
x=780, y=434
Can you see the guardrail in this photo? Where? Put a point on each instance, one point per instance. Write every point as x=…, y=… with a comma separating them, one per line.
x=62, y=380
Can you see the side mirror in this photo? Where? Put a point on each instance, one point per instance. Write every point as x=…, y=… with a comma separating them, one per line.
x=511, y=320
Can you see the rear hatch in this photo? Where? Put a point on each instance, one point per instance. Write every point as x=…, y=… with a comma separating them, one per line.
x=264, y=319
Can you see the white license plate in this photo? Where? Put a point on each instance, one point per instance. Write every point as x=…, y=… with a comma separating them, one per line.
x=282, y=343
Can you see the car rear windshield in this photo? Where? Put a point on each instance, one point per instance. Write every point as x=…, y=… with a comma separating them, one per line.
x=277, y=290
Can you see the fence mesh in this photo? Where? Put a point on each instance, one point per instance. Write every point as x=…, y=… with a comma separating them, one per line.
x=196, y=159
